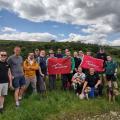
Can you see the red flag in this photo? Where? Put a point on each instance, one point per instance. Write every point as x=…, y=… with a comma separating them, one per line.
x=59, y=66
x=91, y=62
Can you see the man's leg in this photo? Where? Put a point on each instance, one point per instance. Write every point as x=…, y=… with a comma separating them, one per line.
x=1, y=99
x=4, y=92
x=22, y=83
x=50, y=82
x=100, y=90
x=33, y=84
x=16, y=85
x=54, y=81
x=1, y=103
x=64, y=81
x=16, y=95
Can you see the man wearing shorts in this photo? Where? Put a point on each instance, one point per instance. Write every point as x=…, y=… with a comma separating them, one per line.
x=4, y=78
x=111, y=71
x=16, y=64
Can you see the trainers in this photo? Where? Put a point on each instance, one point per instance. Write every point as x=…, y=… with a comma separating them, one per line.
x=17, y=104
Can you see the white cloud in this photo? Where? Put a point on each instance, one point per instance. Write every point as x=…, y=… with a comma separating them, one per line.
x=25, y=36
x=101, y=16
x=67, y=11
x=115, y=42
x=93, y=38
x=8, y=29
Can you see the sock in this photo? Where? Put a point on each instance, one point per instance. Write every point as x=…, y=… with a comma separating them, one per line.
x=1, y=106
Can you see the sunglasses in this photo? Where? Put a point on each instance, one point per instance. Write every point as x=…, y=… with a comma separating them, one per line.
x=3, y=55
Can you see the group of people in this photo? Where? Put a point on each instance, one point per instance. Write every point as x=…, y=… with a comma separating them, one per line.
x=17, y=74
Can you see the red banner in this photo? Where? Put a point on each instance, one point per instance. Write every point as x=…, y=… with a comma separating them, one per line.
x=91, y=62
x=59, y=66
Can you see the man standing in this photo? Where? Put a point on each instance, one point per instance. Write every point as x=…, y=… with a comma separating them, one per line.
x=66, y=78
x=16, y=64
x=30, y=66
x=52, y=78
x=111, y=72
x=5, y=78
x=41, y=86
x=37, y=52
x=102, y=55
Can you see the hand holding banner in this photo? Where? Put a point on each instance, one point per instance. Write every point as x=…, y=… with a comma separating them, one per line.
x=59, y=66
x=91, y=62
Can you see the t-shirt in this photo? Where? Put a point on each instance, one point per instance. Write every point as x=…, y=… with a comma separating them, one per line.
x=59, y=55
x=15, y=63
x=110, y=67
x=42, y=62
x=4, y=67
x=77, y=62
x=92, y=79
x=81, y=76
x=102, y=56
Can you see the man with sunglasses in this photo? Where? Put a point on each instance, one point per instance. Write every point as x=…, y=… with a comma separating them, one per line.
x=5, y=78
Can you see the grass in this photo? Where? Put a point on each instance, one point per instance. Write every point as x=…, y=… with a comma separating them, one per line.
x=57, y=106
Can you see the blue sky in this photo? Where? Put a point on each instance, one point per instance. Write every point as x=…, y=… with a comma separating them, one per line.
x=11, y=20
x=63, y=20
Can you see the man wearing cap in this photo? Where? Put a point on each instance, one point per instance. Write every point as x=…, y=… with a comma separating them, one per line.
x=52, y=78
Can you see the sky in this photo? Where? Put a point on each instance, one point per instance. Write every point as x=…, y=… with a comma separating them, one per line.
x=88, y=21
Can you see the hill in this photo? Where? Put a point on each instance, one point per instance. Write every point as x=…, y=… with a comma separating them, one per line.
x=58, y=104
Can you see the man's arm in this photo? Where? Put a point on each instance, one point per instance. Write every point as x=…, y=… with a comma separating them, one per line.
x=35, y=67
x=98, y=83
x=84, y=86
x=10, y=77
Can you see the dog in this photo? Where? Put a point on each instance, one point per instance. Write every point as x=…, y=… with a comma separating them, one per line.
x=112, y=93
x=85, y=94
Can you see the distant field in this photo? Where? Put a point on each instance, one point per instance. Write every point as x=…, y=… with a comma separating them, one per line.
x=117, y=47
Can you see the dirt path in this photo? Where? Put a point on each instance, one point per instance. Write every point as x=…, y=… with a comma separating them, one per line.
x=112, y=115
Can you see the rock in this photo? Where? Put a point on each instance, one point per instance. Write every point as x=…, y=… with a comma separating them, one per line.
x=113, y=113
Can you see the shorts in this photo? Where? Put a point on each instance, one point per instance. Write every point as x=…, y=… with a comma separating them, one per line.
x=102, y=74
x=3, y=89
x=18, y=82
x=111, y=77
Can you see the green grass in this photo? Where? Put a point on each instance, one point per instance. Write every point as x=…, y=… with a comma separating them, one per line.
x=57, y=106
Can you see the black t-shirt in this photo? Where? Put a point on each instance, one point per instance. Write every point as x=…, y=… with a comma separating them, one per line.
x=92, y=79
x=102, y=56
x=4, y=67
x=77, y=62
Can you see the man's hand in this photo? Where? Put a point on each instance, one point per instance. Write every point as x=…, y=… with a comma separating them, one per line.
x=42, y=75
x=71, y=71
x=11, y=86
x=96, y=86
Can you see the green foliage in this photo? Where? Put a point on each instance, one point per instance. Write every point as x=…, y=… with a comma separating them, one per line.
x=58, y=104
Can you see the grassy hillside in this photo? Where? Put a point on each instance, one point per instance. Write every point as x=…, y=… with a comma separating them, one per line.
x=58, y=104
x=30, y=46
